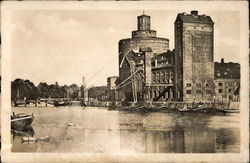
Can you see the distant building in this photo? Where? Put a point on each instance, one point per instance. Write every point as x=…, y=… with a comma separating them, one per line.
x=111, y=82
x=194, y=57
x=227, y=81
x=111, y=93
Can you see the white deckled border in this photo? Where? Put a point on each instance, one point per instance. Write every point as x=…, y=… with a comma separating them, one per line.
x=9, y=6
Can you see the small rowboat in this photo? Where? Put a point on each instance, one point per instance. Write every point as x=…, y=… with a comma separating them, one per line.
x=21, y=121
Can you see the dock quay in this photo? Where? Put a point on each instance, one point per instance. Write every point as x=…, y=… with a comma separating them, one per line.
x=202, y=107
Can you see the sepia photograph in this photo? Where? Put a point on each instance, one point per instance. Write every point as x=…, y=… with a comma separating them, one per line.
x=125, y=81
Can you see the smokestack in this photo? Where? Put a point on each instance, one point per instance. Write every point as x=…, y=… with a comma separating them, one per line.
x=194, y=12
x=222, y=60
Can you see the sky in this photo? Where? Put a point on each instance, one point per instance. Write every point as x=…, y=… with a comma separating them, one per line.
x=65, y=45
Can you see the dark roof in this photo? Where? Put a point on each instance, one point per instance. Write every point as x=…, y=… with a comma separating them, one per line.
x=195, y=19
x=227, y=70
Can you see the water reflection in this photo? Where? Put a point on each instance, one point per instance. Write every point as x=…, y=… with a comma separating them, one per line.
x=178, y=141
x=29, y=131
x=99, y=130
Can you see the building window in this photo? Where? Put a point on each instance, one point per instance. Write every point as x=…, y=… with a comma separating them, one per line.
x=207, y=85
x=153, y=76
x=198, y=91
x=220, y=90
x=162, y=77
x=167, y=77
x=220, y=84
x=157, y=77
x=229, y=90
x=230, y=83
x=188, y=84
x=208, y=92
x=188, y=91
x=159, y=80
x=198, y=84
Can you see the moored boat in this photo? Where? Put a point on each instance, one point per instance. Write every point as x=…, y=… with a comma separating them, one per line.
x=21, y=121
x=61, y=103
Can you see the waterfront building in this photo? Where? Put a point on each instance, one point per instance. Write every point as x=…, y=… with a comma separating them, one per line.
x=227, y=81
x=162, y=76
x=132, y=51
x=194, y=57
x=149, y=71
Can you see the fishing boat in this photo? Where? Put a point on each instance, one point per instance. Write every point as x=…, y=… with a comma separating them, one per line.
x=61, y=103
x=17, y=101
x=21, y=121
x=232, y=111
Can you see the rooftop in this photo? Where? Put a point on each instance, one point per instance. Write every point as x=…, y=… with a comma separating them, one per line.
x=193, y=17
x=228, y=70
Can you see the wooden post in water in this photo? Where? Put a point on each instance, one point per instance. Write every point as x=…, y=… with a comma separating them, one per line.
x=46, y=103
x=35, y=103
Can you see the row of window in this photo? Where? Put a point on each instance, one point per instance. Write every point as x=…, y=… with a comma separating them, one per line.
x=166, y=95
x=209, y=91
x=197, y=84
x=207, y=84
x=221, y=91
x=229, y=83
x=163, y=77
x=198, y=91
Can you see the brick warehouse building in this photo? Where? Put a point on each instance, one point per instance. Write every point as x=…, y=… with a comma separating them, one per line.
x=194, y=57
x=148, y=70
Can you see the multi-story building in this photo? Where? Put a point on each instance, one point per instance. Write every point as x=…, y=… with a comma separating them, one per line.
x=227, y=81
x=148, y=70
x=194, y=57
x=162, y=76
x=132, y=51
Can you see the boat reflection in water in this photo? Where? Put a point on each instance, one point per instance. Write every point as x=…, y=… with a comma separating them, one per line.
x=100, y=131
x=29, y=131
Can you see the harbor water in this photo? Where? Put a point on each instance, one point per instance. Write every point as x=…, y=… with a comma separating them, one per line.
x=95, y=129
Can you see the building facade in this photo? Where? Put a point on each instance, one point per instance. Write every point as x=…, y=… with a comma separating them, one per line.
x=148, y=70
x=227, y=81
x=162, y=87
x=194, y=57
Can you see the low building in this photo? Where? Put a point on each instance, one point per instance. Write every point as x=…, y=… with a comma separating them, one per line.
x=111, y=91
x=111, y=82
x=227, y=81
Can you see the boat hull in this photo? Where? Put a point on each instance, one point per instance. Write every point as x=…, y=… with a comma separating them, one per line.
x=21, y=123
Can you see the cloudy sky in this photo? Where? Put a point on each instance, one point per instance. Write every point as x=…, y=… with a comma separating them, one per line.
x=64, y=45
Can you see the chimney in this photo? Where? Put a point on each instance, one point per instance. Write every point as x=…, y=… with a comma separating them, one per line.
x=222, y=60
x=194, y=12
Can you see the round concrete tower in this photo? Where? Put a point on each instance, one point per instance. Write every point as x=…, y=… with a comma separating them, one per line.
x=142, y=37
